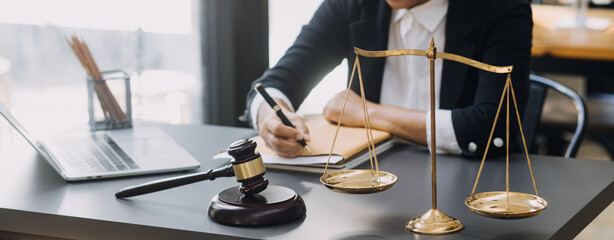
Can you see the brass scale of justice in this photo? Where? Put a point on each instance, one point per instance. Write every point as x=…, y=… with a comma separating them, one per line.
x=496, y=204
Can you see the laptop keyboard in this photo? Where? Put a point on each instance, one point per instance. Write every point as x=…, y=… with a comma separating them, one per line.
x=93, y=154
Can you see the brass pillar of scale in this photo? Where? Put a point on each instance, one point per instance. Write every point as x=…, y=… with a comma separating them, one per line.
x=490, y=204
x=433, y=221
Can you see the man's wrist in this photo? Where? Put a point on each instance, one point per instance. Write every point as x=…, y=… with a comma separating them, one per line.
x=376, y=119
x=258, y=102
x=264, y=111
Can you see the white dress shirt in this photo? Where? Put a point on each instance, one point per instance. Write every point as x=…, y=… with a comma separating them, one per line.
x=406, y=79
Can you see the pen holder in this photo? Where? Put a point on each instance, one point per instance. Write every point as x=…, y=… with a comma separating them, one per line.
x=109, y=101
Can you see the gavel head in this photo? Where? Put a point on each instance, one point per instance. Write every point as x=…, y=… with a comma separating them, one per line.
x=248, y=166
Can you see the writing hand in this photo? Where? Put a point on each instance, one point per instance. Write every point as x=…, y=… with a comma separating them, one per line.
x=279, y=137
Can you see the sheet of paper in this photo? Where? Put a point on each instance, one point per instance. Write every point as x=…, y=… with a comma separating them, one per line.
x=303, y=160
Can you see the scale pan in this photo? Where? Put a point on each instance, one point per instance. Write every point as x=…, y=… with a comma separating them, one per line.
x=358, y=181
x=492, y=204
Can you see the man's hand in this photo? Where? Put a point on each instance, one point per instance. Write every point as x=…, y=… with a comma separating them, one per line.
x=353, y=115
x=279, y=137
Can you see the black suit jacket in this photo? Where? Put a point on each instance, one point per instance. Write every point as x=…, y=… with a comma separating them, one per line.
x=496, y=32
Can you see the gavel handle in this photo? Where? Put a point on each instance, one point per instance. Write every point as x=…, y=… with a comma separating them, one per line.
x=172, y=182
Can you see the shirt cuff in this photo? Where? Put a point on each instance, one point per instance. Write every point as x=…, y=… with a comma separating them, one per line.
x=445, y=138
x=258, y=100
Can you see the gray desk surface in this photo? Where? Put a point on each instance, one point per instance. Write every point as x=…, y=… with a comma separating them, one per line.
x=35, y=200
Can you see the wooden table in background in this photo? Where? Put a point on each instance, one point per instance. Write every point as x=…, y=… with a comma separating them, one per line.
x=571, y=51
x=584, y=52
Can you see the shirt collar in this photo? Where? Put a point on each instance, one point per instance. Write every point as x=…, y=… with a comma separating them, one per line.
x=397, y=15
x=428, y=14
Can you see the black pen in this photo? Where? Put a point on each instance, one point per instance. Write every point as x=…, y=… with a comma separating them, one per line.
x=260, y=89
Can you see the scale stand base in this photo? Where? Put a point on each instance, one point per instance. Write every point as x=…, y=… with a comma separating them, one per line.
x=274, y=205
x=434, y=222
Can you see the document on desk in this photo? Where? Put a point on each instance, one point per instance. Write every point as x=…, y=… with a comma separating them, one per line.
x=351, y=148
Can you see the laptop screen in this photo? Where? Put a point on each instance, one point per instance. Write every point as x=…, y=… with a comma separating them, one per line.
x=4, y=111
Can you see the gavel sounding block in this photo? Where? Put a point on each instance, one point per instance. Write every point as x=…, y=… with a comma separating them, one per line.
x=274, y=205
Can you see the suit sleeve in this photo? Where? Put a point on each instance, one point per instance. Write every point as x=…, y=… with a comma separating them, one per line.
x=317, y=50
x=507, y=41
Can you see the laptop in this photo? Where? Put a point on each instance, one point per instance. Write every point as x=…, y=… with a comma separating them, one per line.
x=106, y=154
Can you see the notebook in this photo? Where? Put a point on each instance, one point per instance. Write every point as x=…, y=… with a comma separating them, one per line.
x=350, y=148
x=92, y=155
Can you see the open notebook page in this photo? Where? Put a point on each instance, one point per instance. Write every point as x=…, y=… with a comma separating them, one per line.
x=350, y=141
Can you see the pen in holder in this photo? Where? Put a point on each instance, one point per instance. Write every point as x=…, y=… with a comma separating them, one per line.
x=105, y=110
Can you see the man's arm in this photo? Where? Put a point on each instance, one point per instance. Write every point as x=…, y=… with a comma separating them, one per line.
x=406, y=123
x=505, y=39
x=319, y=48
x=321, y=45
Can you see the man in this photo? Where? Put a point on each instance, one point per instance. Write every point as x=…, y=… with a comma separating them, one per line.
x=497, y=32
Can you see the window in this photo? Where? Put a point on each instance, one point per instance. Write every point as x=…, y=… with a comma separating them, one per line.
x=285, y=21
x=45, y=83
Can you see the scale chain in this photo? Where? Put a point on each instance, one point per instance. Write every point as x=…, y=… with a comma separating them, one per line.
x=341, y=115
x=370, y=142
